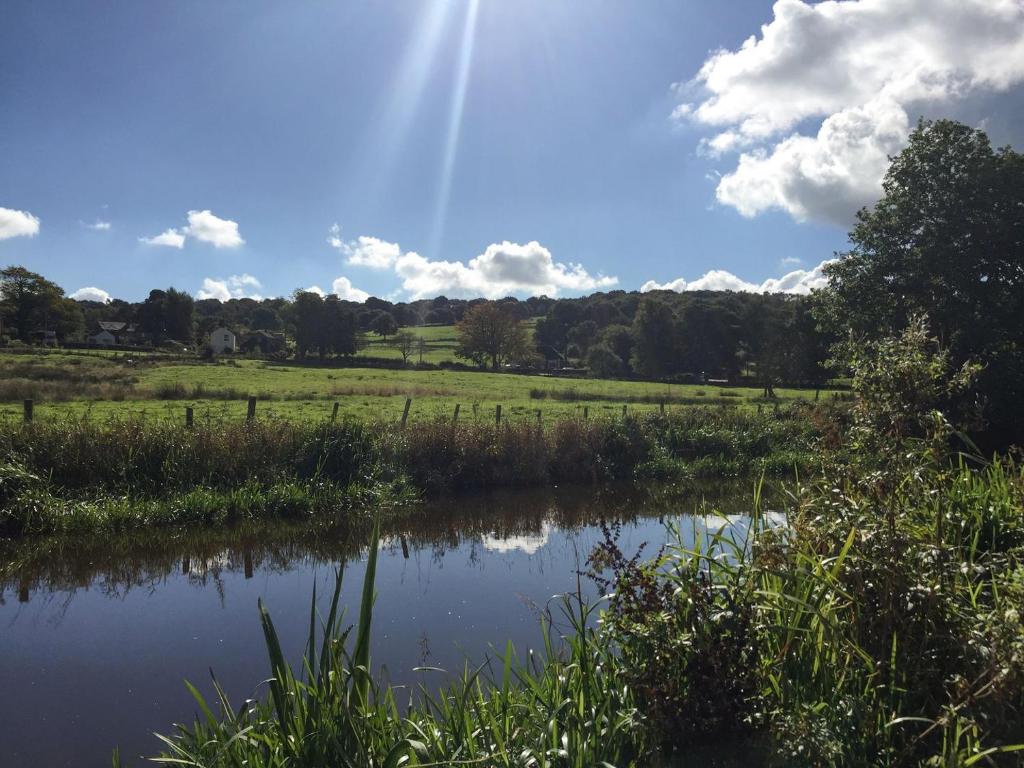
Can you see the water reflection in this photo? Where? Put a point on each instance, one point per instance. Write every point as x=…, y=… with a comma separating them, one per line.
x=98, y=633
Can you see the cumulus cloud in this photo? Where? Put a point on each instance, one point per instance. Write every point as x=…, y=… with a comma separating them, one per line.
x=502, y=269
x=316, y=289
x=172, y=238
x=17, y=224
x=207, y=228
x=99, y=225
x=801, y=281
x=860, y=66
x=343, y=289
x=365, y=251
x=90, y=293
x=242, y=286
x=202, y=226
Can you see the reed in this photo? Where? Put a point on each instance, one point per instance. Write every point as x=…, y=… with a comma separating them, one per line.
x=61, y=475
x=564, y=707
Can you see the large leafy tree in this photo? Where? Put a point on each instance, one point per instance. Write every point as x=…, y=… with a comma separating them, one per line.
x=29, y=302
x=491, y=332
x=655, y=340
x=946, y=240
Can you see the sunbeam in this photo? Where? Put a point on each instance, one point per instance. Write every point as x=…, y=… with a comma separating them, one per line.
x=396, y=118
x=454, y=127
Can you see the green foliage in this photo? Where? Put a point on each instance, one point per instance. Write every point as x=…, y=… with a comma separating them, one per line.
x=655, y=350
x=29, y=302
x=491, y=333
x=943, y=242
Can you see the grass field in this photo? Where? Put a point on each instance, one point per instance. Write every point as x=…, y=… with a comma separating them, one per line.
x=440, y=343
x=68, y=383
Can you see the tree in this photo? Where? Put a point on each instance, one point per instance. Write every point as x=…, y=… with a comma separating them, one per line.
x=654, y=338
x=552, y=332
x=603, y=362
x=339, y=328
x=491, y=332
x=405, y=343
x=619, y=339
x=307, y=312
x=179, y=315
x=384, y=324
x=30, y=302
x=944, y=241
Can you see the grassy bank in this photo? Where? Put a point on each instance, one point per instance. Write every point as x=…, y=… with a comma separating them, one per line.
x=78, y=474
x=104, y=386
x=882, y=628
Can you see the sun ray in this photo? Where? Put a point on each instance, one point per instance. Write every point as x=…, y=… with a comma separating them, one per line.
x=454, y=127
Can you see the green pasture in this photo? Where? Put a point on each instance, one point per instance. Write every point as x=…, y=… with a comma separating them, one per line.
x=291, y=391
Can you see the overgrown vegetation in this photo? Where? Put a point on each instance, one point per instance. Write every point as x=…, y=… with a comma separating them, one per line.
x=79, y=474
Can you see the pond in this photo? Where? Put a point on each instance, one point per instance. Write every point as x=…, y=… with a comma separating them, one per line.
x=98, y=635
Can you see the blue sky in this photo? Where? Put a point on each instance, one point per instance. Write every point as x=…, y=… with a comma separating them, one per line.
x=476, y=146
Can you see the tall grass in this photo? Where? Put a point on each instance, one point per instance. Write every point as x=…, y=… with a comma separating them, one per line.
x=564, y=707
x=79, y=472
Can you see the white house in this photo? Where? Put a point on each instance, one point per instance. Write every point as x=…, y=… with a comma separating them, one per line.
x=222, y=340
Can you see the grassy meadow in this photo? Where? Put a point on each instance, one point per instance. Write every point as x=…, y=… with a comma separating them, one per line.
x=102, y=385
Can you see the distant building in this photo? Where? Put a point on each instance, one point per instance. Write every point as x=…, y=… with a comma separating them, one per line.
x=264, y=342
x=222, y=340
x=44, y=338
x=107, y=333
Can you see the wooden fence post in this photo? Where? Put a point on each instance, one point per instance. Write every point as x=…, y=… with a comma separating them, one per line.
x=455, y=416
x=586, y=412
x=497, y=415
x=28, y=405
x=334, y=412
x=189, y=416
x=661, y=405
x=538, y=417
x=251, y=412
x=405, y=413
x=623, y=410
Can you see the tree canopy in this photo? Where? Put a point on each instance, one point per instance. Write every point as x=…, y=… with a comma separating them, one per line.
x=945, y=241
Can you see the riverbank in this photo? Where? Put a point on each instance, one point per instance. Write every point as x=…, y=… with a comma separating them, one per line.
x=883, y=626
x=79, y=475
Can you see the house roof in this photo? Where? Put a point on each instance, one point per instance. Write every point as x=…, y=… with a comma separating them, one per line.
x=113, y=326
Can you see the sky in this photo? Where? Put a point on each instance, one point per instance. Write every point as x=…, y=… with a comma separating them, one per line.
x=410, y=149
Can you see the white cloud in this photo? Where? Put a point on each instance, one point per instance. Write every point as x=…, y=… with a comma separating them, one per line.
x=207, y=228
x=365, y=251
x=316, y=289
x=202, y=226
x=234, y=287
x=343, y=289
x=171, y=238
x=502, y=269
x=861, y=66
x=17, y=224
x=99, y=225
x=798, y=281
x=90, y=293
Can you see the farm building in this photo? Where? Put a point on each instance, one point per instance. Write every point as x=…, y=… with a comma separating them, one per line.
x=107, y=333
x=263, y=341
x=222, y=340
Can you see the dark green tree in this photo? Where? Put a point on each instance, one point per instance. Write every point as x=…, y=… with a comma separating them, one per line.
x=945, y=241
x=29, y=302
x=307, y=316
x=654, y=340
x=384, y=324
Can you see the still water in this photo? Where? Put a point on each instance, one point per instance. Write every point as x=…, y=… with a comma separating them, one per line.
x=97, y=635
